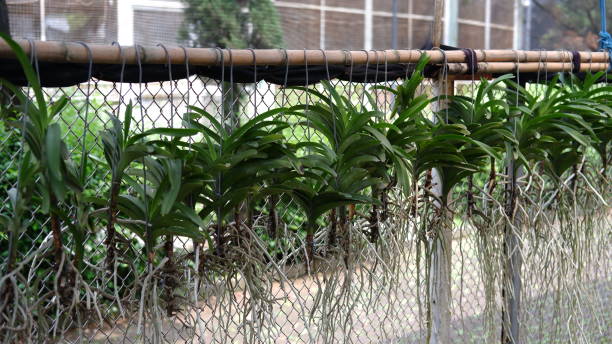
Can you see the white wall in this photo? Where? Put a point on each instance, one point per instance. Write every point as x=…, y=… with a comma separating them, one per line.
x=125, y=15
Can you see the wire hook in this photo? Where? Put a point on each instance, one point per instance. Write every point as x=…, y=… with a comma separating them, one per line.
x=169, y=64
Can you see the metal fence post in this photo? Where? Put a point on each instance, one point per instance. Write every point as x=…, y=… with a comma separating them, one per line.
x=513, y=260
x=440, y=270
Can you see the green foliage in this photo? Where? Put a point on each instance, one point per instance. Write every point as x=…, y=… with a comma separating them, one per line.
x=48, y=157
x=234, y=164
x=551, y=128
x=10, y=142
x=353, y=148
x=162, y=185
x=577, y=24
x=452, y=141
x=232, y=24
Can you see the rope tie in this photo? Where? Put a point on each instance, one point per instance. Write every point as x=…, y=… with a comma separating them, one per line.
x=471, y=60
x=605, y=40
x=576, y=61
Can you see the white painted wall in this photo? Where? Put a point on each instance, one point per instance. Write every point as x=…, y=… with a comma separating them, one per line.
x=125, y=15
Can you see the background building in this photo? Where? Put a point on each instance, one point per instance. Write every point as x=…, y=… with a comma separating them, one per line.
x=367, y=24
x=314, y=24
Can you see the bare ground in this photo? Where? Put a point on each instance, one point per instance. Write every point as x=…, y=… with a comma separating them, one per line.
x=372, y=312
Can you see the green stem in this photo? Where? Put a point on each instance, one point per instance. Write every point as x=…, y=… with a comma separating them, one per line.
x=110, y=226
x=384, y=199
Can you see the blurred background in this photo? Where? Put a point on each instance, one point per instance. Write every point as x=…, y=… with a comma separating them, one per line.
x=311, y=24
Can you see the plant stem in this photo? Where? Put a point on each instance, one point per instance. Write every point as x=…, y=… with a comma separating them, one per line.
x=470, y=196
x=384, y=199
x=492, y=176
x=374, y=229
x=272, y=217
x=237, y=218
x=333, y=228
x=56, y=232
x=248, y=213
x=110, y=226
x=427, y=184
x=344, y=233
x=219, y=238
x=219, y=228
x=310, y=246
x=170, y=278
x=604, y=160
x=13, y=237
x=573, y=181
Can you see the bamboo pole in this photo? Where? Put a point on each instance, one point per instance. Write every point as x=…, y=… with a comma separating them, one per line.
x=527, y=67
x=66, y=52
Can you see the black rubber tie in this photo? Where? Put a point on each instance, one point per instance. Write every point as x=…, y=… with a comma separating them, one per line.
x=576, y=61
x=471, y=60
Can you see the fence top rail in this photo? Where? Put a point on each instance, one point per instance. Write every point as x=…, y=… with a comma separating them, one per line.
x=72, y=52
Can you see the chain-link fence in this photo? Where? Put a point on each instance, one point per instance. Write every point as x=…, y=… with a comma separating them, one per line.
x=264, y=290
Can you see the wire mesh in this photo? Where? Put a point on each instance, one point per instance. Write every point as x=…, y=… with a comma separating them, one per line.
x=338, y=24
x=381, y=299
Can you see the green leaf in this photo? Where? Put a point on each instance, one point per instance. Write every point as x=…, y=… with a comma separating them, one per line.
x=329, y=200
x=127, y=121
x=173, y=132
x=53, y=142
x=200, y=112
x=174, y=168
x=182, y=230
x=581, y=139
x=30, y=74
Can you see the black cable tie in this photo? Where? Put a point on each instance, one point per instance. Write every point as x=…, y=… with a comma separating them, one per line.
x=576, y=61
x=471, y=60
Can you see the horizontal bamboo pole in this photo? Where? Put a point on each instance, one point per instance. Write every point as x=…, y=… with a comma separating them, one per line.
x=65, y=52
x=525, y=67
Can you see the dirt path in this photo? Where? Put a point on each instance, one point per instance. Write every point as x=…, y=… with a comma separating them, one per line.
x=370, y=311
